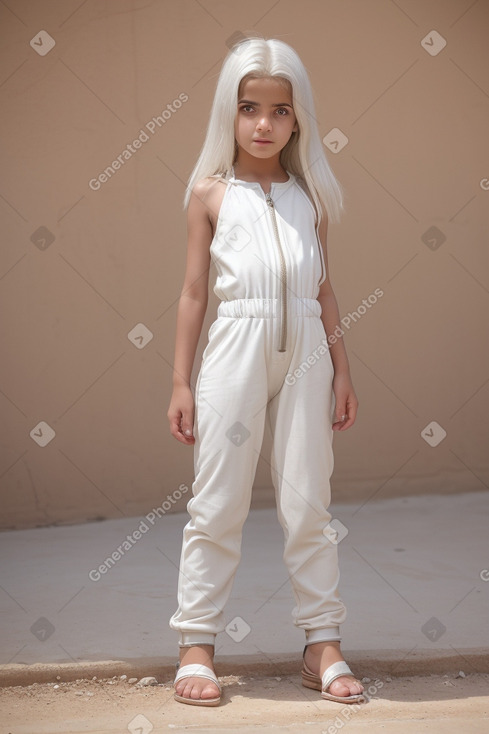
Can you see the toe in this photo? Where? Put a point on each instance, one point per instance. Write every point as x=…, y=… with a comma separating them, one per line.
x=180, y=687
x=187, y=689
x=195, y=691
x=196, y=688
x=338, y=688
x=345, y=687
x=210, y=691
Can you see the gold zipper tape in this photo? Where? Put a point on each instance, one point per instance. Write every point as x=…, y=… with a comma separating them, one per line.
x=283, y=277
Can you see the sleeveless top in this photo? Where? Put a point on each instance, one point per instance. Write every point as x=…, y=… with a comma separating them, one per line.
x=244, y=247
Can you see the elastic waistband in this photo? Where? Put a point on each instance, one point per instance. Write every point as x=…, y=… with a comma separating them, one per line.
x=268, y=307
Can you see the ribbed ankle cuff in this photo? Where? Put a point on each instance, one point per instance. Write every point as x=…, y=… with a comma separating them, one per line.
x=190, y=639
x=326, y=634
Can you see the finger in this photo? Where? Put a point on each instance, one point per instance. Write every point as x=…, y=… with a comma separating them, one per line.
x=187, y=424
x=350, y=416
x=340, y=410
x=176, y=432
x=352, y=411
x=187, y=440
x=183, y=439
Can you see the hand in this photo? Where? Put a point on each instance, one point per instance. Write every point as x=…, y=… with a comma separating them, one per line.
x=181, y=415
x=346, y=402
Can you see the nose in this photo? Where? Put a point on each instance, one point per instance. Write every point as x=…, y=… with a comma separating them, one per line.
x=264, y=122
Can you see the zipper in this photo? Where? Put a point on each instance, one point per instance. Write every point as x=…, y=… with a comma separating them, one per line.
x=283, y=278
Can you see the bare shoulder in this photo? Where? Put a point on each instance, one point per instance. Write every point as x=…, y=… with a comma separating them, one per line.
x=303, y=185
x=207, y=195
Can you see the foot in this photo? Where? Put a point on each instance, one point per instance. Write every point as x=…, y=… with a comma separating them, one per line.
x=320, y=656
x=195, y=687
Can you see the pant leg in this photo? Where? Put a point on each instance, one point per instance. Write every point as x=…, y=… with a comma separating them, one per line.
x=300, y=418
x=230, y=396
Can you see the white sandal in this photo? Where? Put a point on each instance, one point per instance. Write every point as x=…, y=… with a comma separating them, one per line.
x=197, y=670
x=336, y=670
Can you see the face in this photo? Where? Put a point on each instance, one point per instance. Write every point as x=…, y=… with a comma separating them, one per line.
x=264, y=112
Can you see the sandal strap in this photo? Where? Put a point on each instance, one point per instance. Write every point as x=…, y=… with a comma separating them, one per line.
x=333, y=672
x=198, y=671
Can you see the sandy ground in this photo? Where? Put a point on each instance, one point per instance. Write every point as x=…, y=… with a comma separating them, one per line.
x=442, y=704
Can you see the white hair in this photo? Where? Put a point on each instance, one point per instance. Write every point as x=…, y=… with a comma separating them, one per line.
x=304, y=154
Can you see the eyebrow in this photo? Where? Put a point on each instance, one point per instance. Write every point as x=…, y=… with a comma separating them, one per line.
x=257, y=104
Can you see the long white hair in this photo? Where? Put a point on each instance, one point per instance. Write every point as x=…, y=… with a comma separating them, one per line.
x=304, y=154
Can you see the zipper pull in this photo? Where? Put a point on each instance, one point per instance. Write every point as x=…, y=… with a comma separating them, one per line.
x=269, y=200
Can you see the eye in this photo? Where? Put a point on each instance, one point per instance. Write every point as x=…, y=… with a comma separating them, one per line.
x=284, y=110
x=246, y=107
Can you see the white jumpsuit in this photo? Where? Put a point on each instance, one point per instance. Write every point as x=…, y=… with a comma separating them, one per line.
x=266, y=359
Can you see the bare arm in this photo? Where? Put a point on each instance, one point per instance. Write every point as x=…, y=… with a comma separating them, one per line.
x=190, y=315
x=346, y=400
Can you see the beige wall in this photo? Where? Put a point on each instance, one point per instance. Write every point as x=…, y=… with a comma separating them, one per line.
x=415, y=170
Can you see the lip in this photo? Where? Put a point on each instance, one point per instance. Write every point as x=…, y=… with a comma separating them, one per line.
x=262, y=141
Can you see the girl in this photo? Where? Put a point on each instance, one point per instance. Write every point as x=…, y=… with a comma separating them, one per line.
x=259, y=200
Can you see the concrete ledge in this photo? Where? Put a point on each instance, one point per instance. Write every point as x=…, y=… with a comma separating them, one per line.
x=416, y=598
x=371, y=663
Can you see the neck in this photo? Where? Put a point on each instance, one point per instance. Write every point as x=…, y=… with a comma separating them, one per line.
x=247, y=166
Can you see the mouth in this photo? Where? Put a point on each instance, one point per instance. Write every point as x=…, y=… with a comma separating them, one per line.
x=262, y=141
